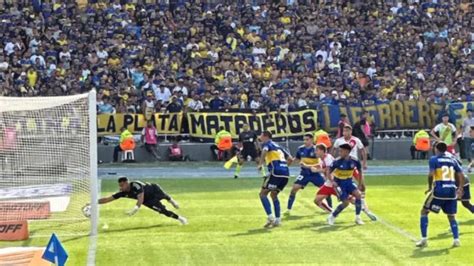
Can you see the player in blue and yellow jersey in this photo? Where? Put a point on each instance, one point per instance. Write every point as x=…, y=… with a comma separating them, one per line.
x=341, y=174
x=466, y=196
x=276, y=159
x=308, y=158
x=445, y=185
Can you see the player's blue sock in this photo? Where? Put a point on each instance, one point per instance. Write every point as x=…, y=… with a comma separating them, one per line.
x=454, y=228
x=276, y=205
x=329, y=201
x=472, y=209
x=291, y=200
x=424, y=226
x=338, y=210
x=358, y=204
x=266, y=205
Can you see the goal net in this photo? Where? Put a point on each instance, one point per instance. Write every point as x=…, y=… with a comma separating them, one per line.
x=48, y=163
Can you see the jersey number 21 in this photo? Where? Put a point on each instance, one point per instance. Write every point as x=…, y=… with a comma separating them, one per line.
x=447, y=173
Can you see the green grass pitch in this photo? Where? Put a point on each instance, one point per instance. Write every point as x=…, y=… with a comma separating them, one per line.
x=225, y=227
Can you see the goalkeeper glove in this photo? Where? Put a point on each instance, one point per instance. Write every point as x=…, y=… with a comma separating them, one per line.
x=133, y=211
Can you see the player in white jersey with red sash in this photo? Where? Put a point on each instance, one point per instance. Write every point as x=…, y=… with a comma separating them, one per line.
x=357, y=147
x=327, y=189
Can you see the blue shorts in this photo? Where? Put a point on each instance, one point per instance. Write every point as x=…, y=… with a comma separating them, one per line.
x=467, y=194
x=345, y=188
x=449, y=206
x=316, y=179
x=274, y=183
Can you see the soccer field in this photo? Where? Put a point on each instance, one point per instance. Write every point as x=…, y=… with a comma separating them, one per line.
x=226, y=219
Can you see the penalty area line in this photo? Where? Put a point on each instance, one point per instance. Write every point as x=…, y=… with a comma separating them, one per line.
x=397, y=229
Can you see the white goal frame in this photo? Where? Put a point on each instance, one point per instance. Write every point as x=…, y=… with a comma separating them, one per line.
x=93, y=162
x=17, y=104
x=94, y=179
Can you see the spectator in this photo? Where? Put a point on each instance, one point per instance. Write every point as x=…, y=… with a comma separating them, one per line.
x=368, y=127
x=421, y=144
x=469, y=167
x=124, y=135
x=445, y=131
x=8, y=144
x=195, y=105
x=180, y=87
x=150, y=139
x=175, y=152
x=467, y=123
x=343, y=121
x=163, y=93
x=359, y=133
x=302, y=101
x=222, y=147
x=363, y=130
x=372, y=48
x=105, y=107
x=217, y=102
x=371, y=71
x=148, y=106
x=174, y=106
x=256, y=103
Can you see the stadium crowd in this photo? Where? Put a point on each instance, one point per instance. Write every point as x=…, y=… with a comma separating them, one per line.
x=192, y=55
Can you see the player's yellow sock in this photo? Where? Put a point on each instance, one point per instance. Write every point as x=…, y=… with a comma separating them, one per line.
x=229, y=163
x=237, y=170
x=364, y=204
x=263, y=171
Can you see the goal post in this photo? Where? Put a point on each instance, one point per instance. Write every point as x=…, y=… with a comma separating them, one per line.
x=48, y=163
x=93, y=162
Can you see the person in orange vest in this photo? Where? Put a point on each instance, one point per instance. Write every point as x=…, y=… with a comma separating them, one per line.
x=421, y=143
x=247, y=149
x=222, y=144
x=322, y=137
x=124, y=135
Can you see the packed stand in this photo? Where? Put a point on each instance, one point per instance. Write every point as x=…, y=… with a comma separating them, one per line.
x=189, y=56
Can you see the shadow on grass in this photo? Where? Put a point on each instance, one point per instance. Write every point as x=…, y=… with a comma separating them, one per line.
x=295, y=217
x=424, y=253
x=469, y=222
x=312, y=225
x=68, y=239
x=323, y=227
x=253, y=232
x=449, y=235
x=131, y=229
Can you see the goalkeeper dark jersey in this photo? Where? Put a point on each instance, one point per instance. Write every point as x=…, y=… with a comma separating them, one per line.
x=151, y=192
x=248, y=139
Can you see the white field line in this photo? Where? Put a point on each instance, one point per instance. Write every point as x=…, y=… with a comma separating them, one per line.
x=397, y=229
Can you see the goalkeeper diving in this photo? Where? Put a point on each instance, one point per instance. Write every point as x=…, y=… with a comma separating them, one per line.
x=147, y=194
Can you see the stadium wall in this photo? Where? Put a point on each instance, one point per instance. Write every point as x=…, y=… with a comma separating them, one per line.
x=396, y=149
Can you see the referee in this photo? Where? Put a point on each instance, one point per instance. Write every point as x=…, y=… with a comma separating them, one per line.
x=146, y=194
x=248, y=141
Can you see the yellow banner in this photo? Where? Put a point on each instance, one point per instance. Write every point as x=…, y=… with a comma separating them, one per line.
x=111, y=124
x=391, y=115
x=206, y=125
x=458, y=111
